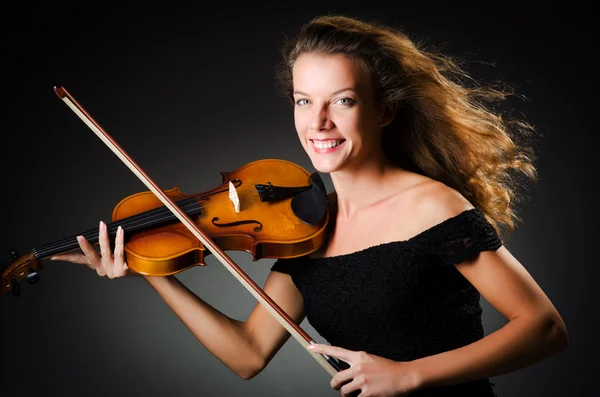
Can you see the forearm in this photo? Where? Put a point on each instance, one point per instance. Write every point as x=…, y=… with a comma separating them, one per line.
x=519, y=343
x=224, y=337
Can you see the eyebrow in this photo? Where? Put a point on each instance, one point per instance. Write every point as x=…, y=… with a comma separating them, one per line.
x=335, y=93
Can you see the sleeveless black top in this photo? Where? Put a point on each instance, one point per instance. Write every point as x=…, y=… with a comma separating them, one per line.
x=401, y=300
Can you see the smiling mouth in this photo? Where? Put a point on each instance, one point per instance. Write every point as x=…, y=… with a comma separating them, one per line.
x=328, y=144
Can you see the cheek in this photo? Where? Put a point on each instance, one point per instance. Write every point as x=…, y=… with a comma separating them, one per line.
x=355, y=125
x=368, y=123
x=300, y=124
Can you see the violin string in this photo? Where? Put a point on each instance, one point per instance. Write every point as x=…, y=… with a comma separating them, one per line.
x=137, y=222
x=71, y=242
x=92, y=234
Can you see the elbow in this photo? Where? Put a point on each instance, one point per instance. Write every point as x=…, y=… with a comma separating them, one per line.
x=559, y=336
x=248, y=374
x=251, y=370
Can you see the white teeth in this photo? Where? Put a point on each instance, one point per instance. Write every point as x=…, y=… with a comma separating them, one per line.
x=326, y=144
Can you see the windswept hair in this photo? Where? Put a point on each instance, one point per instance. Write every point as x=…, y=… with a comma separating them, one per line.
x=443, y=128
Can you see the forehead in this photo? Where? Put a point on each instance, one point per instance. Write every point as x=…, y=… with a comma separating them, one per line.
x=318, y=73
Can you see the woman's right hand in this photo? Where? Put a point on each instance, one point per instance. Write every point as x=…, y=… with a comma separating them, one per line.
x=104, y=263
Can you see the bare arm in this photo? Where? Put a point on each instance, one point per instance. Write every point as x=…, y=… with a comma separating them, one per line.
x=244, y=347
x=535, y=329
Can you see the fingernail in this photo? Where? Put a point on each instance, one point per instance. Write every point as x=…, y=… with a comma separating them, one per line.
x=101, y=223
x=311, y=347
x=119, y=229
x=52, y=258
x=79, y=238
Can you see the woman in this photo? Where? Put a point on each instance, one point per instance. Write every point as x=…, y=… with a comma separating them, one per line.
x=422, y=180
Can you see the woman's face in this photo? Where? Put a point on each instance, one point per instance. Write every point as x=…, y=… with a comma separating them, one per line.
x=337, y=120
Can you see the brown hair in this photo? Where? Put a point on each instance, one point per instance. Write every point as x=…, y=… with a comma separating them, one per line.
x=442, y=128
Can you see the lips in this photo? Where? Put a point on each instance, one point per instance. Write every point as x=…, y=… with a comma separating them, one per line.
x=326, y=145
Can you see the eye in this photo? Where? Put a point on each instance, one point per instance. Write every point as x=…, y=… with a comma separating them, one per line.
x=346, y=101
x=300, y=102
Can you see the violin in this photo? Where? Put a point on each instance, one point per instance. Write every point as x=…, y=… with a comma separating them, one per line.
x=270, y=208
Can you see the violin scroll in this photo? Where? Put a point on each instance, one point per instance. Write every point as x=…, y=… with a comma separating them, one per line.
x=23, y=267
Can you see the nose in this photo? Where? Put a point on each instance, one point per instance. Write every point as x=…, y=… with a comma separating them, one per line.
x=320, y=119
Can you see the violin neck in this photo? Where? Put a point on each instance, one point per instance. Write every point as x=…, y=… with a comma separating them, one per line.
x=139, y=222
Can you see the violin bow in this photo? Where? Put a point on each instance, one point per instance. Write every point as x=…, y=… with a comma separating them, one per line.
x=327, y=362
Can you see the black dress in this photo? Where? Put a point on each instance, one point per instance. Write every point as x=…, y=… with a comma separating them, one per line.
x=401, y=300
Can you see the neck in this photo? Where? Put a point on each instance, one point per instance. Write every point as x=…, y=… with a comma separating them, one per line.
x=363, y=186
x=142, y=221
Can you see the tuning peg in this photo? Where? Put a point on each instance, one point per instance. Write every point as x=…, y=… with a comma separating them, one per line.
x=16, y=288
x=14, y=254
x=33, y=276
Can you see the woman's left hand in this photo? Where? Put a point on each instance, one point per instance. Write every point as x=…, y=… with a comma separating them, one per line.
x=373, y=375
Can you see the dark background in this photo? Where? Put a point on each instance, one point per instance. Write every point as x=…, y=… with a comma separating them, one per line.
x=189, y=92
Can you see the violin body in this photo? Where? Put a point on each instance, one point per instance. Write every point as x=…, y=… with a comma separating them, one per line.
x=263, y=229
x=157, y=244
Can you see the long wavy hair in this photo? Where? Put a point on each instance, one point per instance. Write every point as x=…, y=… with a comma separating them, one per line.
x=444, y=127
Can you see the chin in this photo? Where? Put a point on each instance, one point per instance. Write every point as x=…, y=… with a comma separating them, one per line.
x=325, y=167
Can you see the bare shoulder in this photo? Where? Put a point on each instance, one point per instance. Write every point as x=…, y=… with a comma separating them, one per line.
x=437, y=201
x=432, y=202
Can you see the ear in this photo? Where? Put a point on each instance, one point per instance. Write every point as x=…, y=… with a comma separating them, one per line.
x=388, y=114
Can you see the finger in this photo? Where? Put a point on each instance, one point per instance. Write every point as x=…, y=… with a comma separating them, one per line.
x=342, y=377
x=90, y=253
x=108, y=262
x=120, y=265
x=104, y=243
x=334, y=351
x=75, y=258
x=351, y=389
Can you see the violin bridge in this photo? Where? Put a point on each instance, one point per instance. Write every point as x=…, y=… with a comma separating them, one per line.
x=234, y=197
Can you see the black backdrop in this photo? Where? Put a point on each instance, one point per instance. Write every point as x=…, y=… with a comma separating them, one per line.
x=190, y=92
